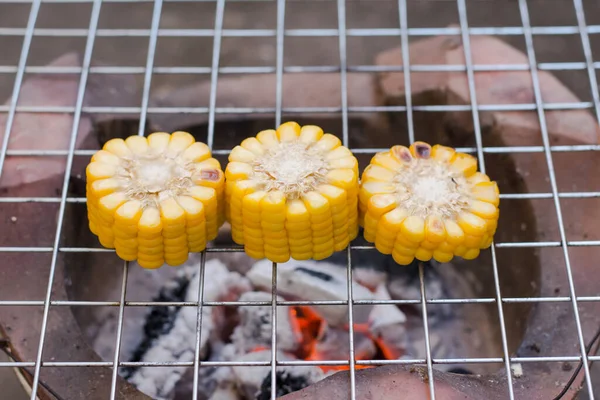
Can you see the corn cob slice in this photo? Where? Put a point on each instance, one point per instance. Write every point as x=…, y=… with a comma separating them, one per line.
x=427, y=202
x=155, y=199
x=292, y=193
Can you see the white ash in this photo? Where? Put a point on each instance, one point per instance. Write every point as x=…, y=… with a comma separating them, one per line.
x=405, y=285
x=312, y=280
x=254, y=327
x=225, y=392
x=384, y=315
x=178, y=343
x=369, y=278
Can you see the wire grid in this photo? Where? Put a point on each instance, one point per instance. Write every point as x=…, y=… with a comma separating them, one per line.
x=403, y=32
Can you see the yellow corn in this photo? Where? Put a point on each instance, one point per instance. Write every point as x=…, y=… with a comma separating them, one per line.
x=427, y=202
x=155, y=199
x=292, y=193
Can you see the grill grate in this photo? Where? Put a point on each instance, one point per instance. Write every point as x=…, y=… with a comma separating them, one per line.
x=404, y=33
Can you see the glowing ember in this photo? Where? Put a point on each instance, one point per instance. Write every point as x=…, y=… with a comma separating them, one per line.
x=310, y=329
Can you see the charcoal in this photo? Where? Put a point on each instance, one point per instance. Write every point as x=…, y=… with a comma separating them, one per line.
x=285, y=383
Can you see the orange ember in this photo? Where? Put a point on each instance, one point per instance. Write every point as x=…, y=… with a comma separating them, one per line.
x=309, y=328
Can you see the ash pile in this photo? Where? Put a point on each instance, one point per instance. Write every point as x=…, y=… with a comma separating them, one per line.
x=311, y=326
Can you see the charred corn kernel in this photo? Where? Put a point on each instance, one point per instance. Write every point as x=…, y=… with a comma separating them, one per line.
x=303, y=196
x=427, y=203
x=155, y=198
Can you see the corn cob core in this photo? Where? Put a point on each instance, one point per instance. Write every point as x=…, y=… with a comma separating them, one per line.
x=155, y=199
x=427, y=202
x=292, y=193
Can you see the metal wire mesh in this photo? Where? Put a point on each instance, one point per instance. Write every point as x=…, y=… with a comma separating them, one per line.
x=403, y=32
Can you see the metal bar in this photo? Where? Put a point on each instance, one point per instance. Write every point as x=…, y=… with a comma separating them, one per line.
x=214, y=76
x=33, y=14
x=546, y=140
x=299, y=110
x=587, y=51
x=364, y=150
x=200, y=305
x=278, y=115
x=437, y=361
x=343, y=51
x=257, y=70
x=115, y=364
x=403, y=15
x=371, y=32
x=466, y=41
x=481, y=300
x=17, y=249
x=426, y=329
x=95, y=16
x=156, y=14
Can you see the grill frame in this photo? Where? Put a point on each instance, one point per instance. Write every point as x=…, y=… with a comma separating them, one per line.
x=280, y=33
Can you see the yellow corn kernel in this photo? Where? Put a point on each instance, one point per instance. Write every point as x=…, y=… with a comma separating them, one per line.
x=442, y=153
x=238, y=171
x=118, y=147
x=197, y=152
x=448, y=208
x=327, y=143
x=471, y=254
x=337, y=153
x=387, y=161
x=253, y=145
x=464, y=163
x=477, y=178
x=402, y=259
x=413, y=228
x=142, y=202
x=442, y=256
x=488, y=192
x=434, y=229
x=377, y=173
x=240, y=154
x=471, y=224
x=423, y=254
x=454, y=233
x=288, y=132
x=268, y=138
x=158, y=141
x=312, y=134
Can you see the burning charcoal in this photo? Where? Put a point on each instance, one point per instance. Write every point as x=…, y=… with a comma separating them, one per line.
x=254, y=328
x=251, y=378
x=284, y=382
x=313, y=280
x=172, y=334
x=335, y=345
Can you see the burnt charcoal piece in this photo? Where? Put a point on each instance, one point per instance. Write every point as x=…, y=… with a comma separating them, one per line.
x=316, y=274
x=285, y=383
x=160, y=319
